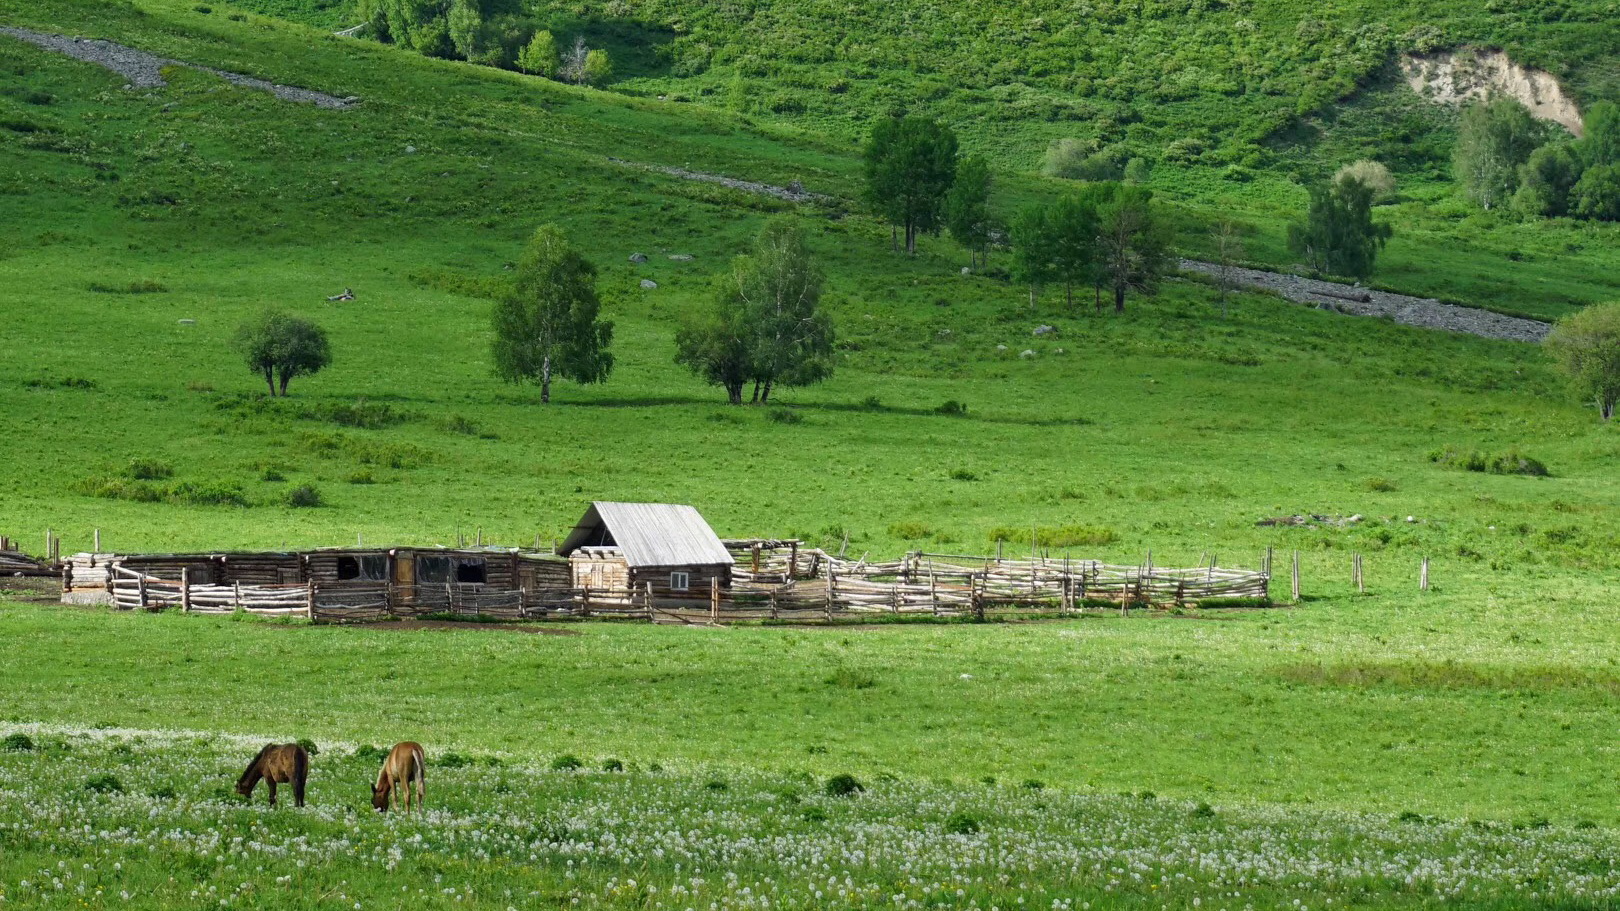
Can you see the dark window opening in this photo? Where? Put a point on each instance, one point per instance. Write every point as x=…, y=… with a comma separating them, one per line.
x=365, y=567
x=471, y=571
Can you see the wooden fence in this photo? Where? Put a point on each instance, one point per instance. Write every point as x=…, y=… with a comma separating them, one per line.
x=937, y=585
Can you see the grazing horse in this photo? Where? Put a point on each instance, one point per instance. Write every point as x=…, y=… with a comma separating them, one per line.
x=400, y=770
x=277, y=763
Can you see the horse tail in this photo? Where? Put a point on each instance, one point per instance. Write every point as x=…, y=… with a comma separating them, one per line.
x=300, y=773
x=253, y=766
x=421, y=763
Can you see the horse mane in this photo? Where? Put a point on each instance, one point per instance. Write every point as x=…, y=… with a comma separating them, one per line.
x=254, y=765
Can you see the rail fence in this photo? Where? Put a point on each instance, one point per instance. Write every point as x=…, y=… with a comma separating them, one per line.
x=937, y=585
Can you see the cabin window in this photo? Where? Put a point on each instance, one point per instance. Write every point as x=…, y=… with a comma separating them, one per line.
x=471, y=570
x=365, y=567
x=433, y=569
x=680, y=582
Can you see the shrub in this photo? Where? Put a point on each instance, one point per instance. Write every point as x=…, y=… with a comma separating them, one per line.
x=784, y=416
x=362, y=476
x=1074, y=159
x=567, y=762
x=458, y=424
x=851, y=679
x=162, y=792
x=962, y=474
x=1034, y=784
x=368, y=753
x=1203, y=811
x=843, y=786
x=814, y=814
x=106, y=783
x=453, y=760
x=272, y=473
x=910, y=531
x=17, y=743
x=961, y=823
x=715, y=784
x=304, y=496
x=1373, y=175
x=1379, y=485
x=872, y=403
x=309, y=746
x=149, y=470
x=952, y=408
x=612, y=765
x=1510, y=461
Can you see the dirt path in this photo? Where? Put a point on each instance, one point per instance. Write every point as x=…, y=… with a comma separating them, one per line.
x=1357, y=301
x=791, y=193
x=145, y=71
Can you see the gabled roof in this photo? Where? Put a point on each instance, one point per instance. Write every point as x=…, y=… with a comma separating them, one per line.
x=649, y=534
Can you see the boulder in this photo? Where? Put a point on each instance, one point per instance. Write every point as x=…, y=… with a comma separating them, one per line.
x=1043, y=330
x=638, y=258
x=681, y=257
x=1026, y=353
x=648, y=284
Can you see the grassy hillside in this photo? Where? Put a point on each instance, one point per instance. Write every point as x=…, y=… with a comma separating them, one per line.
x=128, y=212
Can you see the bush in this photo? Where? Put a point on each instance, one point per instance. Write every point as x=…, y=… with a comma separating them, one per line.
x=1510, y=461
x=851, y=679
x=369, y=753
x=962, y=474
x=304, y=496
x=1034, y=784
x=149, y=470
x=17, y=743
x=910, y=531
x=163, y=792
x=362, y=476
x=715, y=784
x=1203, y=811
x=272, y=474
x=843, y=786
x=452, y=760
x=1373, y=175
x=961, y=823
x=309, y=746
x=784, y=416
x=104, y=784
x=612, y=765
x=567, y=762
x=951, y=407
x=1380, y=485
x=1072, y=159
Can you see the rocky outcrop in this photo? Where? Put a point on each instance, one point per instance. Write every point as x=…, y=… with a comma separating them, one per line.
x=1469, y=74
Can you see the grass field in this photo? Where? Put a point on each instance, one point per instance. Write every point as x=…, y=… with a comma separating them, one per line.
x=504, y=833
x=1489, y=700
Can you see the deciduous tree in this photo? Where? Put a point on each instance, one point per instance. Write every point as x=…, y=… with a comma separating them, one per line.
x=547, y=324
x=910, y=166
x=1133, y=242
x=1493, y=139
x=280, y=347
x=1586, y=345
x=539, y=56
x=1339, y=234
x=967, y=208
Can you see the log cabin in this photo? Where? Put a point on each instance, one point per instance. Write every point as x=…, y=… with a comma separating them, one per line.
x=627, y=547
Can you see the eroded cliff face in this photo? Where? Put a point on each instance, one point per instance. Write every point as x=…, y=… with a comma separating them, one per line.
x=1467, y=74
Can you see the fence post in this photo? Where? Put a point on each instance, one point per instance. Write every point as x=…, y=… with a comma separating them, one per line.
x=1296, y=575
x=1268, y=561
x=648, y=599
x=237, y=588
x=140, y=584
x=830, y=595
x=309, y=602
x=1361, y=583
x=793, y=560
x=185, y=589
x=714, y=599
x=97, y=548
x=1423, y=576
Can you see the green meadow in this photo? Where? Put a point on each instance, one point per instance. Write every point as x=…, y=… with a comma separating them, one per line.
x=1325, y=750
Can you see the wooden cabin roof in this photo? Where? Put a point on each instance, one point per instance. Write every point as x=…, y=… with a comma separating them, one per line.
x=649, y=534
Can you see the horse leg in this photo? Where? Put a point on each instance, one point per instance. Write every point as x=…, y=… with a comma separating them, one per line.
x=421, y=794
x=271, y=784
x=298, y=789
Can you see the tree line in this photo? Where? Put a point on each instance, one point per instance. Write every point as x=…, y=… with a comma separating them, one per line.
x=1505, y=159
x=497, y=33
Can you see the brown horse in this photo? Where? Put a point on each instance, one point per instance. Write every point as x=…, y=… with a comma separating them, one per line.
x=277, y=763
x=400, y=770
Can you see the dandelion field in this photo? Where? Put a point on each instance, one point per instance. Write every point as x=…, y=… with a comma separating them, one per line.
x=123, y=818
